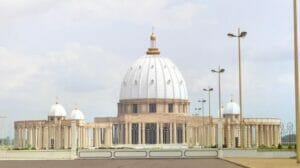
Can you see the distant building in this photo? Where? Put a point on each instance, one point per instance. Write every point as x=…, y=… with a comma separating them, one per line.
x=153, y=111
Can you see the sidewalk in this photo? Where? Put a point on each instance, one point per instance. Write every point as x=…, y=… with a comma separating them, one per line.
x=265, y=163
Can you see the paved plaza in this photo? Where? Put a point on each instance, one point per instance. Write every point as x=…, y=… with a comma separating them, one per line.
x=266, y=162
x=139, y=163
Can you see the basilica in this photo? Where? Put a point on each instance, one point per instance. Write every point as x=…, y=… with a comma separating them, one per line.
x=153, y=111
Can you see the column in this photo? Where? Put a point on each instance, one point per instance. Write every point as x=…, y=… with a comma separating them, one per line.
x=213, y=136
x=109, y=135
x=175, y=132
x=256, y=136
x=171, y=133
x=261, y=135
x=276, y=135
x=228, y=136
x=126, y=133
x=40, y=138
x=100, y=135
x=161, y=133
x=279, y=134
x=249, y=132
x=183, y=134
x=97, y=137
x=129, y=133
x=268, y=135
x=196, y=135
x=20, y=137
x=65, y=137
x=144, y=133
x=157, y=133
x=34, y=137
x=73, y=135
x=94, y=137
x=271, y=135
x=122, y=133
x=17, y=137
x=29, y=136
x=209, y=142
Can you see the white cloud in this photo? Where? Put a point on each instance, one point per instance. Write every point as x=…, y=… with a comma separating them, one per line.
x=15, y=70
x=159, y=13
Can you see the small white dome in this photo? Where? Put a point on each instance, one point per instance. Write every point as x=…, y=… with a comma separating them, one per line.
x=232, y=108
x=57, y=110
x=77, y=115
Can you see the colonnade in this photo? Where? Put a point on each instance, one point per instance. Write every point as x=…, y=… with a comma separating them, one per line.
x=110, y=134
x=254, y=135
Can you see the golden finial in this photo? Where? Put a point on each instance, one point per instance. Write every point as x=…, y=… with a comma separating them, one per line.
x=153, y=37
x=153, y=50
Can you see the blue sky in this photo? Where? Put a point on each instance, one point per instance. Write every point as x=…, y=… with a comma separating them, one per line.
x=80, y=50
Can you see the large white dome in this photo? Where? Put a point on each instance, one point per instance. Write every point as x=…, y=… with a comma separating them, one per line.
x=232, y=108
x=57, y=110
x=77, y=114
x=153, y=76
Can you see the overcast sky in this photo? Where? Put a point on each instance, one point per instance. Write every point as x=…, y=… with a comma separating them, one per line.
x=80, y=50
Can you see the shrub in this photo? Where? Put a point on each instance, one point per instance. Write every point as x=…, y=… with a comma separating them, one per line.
x=279, y=146
x=214, y=146
x=262, y=146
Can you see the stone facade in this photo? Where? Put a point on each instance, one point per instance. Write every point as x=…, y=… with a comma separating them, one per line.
x=160, y=127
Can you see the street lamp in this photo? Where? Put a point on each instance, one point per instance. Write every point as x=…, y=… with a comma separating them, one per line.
x=220, y=123
x=219, y=71
x=198, y=109
x=296, y=73
x=208, y=90
x=239, y=36
x=202, y=101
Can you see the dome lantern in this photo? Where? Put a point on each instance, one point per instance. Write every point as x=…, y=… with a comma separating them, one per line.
x=153, y=50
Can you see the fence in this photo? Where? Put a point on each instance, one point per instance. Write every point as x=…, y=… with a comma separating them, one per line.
x=133, y=153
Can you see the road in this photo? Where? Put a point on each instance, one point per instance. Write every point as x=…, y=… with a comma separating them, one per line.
x=138, y=163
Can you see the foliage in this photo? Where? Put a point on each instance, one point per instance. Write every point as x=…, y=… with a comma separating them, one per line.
x=279, y=146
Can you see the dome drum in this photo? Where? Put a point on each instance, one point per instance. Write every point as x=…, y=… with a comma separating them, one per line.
x=157, y=106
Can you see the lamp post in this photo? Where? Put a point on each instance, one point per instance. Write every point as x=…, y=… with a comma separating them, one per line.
x=202, y=102
x=296, y=73
x=220, y=124
x=208, y=90
x=219, y=71
x=239, y=36
x=198, y=109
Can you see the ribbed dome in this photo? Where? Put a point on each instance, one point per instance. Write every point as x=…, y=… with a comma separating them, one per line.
x=57, y=110
x=153, y=76
x=77, y=114
x=232, y=108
